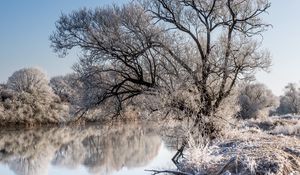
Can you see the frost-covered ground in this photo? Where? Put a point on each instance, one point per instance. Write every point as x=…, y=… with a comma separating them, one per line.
x=270, y=146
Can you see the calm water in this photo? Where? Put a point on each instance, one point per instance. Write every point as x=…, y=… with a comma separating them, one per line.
x=97, y=149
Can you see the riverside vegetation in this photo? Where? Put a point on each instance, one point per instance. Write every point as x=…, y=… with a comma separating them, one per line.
x=192, y=61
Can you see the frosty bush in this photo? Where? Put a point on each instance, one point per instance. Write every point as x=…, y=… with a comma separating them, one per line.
x=290, y=101
x=67, y=87
x=29, y=100
x=29, y=80
x=255, y=101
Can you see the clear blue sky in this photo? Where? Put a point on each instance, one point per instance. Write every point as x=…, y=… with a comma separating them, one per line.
x=26, y=25
x=283, y=41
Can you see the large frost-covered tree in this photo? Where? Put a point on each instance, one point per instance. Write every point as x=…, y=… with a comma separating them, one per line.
x=153, y=44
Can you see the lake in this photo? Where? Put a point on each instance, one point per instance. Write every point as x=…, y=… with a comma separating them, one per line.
x=115, y=148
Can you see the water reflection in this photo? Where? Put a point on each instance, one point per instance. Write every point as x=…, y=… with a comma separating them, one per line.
x=101, y=149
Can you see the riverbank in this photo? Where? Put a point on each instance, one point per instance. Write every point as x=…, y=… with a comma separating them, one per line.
x=253, y=147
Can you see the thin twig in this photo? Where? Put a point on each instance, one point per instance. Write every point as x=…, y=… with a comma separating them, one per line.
x=226, y=165
x=169, y=172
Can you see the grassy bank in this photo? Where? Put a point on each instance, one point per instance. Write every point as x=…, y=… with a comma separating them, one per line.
x=253, y=147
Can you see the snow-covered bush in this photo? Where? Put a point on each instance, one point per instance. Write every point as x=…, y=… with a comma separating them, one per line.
x=29, y=80
x=290, y=101
x=29, y=100
x=256, y=101
x=67, y=87
x=200, y=157
x=28, y=109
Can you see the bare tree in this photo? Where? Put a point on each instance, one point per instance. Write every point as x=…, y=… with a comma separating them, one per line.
x=208, y=44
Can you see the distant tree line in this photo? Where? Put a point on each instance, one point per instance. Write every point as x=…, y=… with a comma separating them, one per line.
x=29, y=97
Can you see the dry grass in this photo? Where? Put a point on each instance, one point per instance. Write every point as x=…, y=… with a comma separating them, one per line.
x=246, y=150
x=276, y=126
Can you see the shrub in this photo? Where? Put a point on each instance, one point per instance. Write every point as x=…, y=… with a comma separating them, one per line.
x=29, y=100
x=256, y=101
x=29, y=80
x=290, y=101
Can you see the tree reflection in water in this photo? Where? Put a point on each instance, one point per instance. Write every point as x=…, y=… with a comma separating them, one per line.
x=102, y=149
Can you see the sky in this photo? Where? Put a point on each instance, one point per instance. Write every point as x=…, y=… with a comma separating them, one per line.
x=25, y=27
